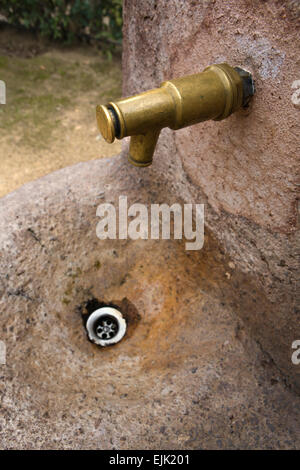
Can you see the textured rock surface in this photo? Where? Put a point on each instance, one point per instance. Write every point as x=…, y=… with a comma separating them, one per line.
x=245, y=168
x=188, y=374
x=185, y=376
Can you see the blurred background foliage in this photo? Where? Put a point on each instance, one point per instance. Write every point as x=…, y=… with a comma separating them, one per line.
x=67, y=21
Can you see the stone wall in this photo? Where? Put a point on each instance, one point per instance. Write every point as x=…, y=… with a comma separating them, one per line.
x=245, y=168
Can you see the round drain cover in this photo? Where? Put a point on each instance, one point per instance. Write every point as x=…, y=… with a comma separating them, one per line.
x=106, y=326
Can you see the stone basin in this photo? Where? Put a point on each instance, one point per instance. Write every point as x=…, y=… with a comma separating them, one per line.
x=187, y=375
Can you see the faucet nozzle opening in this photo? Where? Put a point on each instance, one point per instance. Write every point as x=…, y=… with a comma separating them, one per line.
x=108, y=123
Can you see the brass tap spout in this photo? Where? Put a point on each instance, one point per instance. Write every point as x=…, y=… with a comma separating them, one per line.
x=215, y=93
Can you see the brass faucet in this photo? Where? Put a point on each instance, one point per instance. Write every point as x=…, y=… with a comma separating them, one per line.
x=215, y=93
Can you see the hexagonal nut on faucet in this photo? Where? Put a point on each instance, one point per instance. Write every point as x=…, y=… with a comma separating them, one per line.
x=248, y=85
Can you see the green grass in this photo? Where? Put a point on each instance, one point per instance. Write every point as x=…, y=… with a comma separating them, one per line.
x=39, y=88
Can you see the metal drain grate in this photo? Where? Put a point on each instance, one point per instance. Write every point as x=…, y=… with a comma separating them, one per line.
x=106, y=326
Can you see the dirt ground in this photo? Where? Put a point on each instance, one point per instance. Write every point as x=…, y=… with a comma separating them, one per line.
x=48, y=121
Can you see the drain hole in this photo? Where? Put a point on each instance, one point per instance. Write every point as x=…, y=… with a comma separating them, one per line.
x=107, y=322
x=106, y=326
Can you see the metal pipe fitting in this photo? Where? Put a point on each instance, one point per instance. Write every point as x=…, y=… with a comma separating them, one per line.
x=215, y=93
